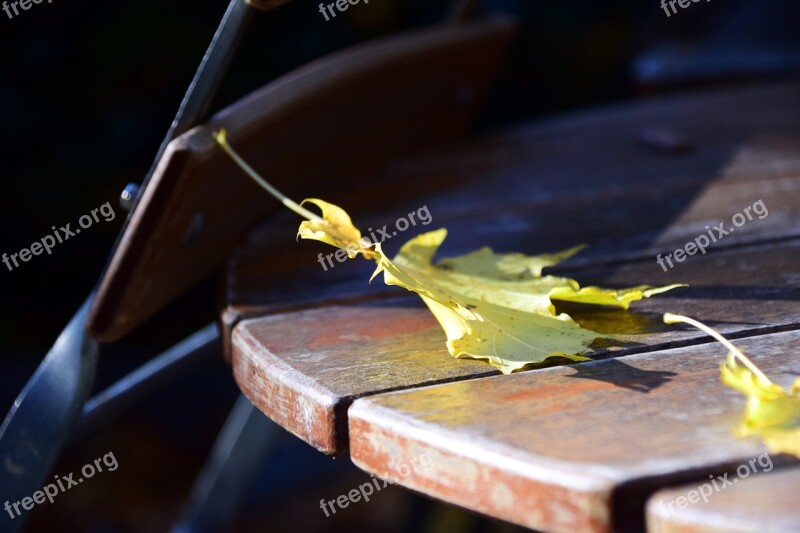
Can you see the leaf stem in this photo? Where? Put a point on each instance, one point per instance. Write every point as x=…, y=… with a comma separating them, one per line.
x=669, y=318
x=221, y=138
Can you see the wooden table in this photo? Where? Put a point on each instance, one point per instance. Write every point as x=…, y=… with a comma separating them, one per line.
x=360, y=369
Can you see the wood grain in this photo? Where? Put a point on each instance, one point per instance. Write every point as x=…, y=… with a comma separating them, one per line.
x=576, y=448
x=337, y=354
x=329, y=127
x=758, y=502
x=307, y=380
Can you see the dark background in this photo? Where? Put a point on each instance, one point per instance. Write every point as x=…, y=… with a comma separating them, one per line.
x=87, y=90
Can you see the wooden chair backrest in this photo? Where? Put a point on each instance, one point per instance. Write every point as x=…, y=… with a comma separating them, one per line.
x=330, y=124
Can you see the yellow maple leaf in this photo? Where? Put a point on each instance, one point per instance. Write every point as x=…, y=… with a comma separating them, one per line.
x=491, y=306
x=772, y=413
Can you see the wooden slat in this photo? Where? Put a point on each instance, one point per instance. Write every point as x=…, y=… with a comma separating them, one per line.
x=574, y=448
x=306, y=380
x=592, y=151
x=762, y=502
x=328, y=126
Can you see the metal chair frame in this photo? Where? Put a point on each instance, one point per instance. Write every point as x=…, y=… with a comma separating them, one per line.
x=55, y=406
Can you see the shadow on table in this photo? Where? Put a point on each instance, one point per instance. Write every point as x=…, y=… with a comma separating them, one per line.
x=623, y=375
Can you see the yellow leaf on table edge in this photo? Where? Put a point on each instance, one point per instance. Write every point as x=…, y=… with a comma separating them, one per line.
x=771, y=413
x=491, y=306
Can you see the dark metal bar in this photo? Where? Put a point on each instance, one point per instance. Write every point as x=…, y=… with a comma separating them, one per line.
x=36, y=427
x=209, y=75
x=202, y=89
x=156, y=373
x=243, y=445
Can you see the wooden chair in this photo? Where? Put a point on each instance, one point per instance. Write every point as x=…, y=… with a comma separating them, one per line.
x=328, y=126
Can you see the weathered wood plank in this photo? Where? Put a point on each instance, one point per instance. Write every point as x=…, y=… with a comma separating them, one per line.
x=306, y=380
x=763, y=502
x=576, y=448
x=591, y=149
